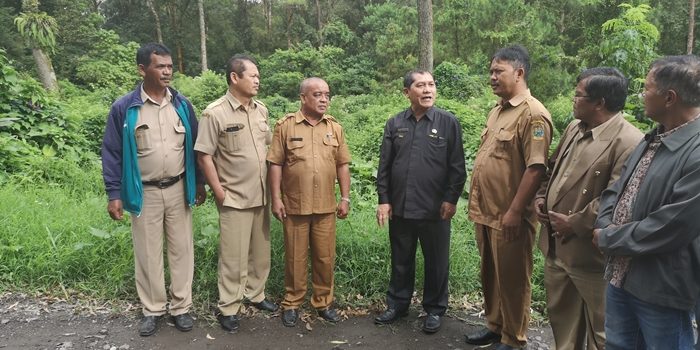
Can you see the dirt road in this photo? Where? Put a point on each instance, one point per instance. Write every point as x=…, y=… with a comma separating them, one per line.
x=50, y=323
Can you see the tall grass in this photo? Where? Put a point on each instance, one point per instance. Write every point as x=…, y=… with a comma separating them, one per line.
x=58, y=241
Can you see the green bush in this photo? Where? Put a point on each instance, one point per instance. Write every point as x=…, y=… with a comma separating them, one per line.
x=456, y=82
x=201, y=90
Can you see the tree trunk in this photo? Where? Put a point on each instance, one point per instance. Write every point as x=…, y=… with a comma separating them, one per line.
x=425, y=35
x=319, y=22
x=45, y=69
x=159, y=32
x=267, y=13
x=691, y=26
x=202, y=35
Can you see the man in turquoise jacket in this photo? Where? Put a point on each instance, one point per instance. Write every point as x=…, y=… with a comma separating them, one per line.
x=147, y=150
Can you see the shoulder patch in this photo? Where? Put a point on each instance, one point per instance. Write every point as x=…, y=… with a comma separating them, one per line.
x=538, y=130
x=285, y=118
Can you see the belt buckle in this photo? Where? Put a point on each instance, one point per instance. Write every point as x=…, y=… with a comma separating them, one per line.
x=163, y=184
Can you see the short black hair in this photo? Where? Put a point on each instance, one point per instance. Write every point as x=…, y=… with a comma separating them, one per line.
x=236, y=65
x=143, y=54
x=516, y=55
x=680, y=74
x=408, y=79
x=607, y=83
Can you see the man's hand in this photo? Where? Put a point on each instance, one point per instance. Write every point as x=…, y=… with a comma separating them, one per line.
x=511, y=225
x=201, y=195
x=115, y=210
x=540, y=210
x=383, y=214
x=560, y=224
x=219, y=197
x=343, y=209
x=278, y=210
x=447, y=210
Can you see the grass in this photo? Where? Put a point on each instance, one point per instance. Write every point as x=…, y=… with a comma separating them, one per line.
x=57, y=241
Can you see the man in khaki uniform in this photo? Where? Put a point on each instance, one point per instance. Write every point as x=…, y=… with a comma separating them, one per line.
x=588, y=159
x=149, y=170
x=307, y=155
x=507, y=172
x=232, y=145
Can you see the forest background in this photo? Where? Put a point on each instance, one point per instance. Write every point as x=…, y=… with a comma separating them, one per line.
x=63, y=62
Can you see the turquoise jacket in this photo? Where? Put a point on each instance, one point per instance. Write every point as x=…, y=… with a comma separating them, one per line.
x=120, y=168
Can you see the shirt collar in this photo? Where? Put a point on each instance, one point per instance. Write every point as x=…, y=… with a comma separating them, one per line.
x=515, y=100
x=145, y=97
x=676, y=137
x=235, y=104
x=299, y=117
x=598, y=130
x=430, y=113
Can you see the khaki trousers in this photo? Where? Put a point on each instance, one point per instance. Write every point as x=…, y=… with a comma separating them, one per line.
x=576, y=306
x=164, y=210
x=244, y=256
x=506, y=268
x=300, y=232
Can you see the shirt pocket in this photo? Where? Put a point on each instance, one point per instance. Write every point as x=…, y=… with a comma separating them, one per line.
x=265, y=131
x=330, y=149
x=503, y=145
x=143, y=138
x=179, y=137
x=295, y=150
x=231, y=137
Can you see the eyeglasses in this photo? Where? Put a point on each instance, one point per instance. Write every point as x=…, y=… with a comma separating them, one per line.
x=576, y=97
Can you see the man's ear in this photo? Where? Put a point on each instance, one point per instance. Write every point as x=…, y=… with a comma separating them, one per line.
x=671, y=97
x=142, y=70
x=405, y=92
x=520, y=72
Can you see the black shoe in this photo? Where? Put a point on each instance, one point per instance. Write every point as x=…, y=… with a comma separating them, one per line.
x=506, y=347
x=183, y=322
x=390, y=315
x=229, y=323
x=148, y=325
x=330, y=314
x=289, y=317
x=266, y=305
x=432, y=323
x=483, y=337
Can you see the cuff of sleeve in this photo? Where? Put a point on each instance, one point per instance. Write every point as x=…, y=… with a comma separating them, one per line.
x=113, y=194
x=383, y=199
x=204, y=149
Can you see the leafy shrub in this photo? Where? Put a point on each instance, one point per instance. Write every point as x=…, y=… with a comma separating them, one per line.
x=109, y=64
x=283, y=71
x=455, y=81
x=201, y=90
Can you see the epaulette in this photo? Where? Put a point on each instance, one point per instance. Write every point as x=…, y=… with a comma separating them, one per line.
x=259, y=102
x=286, y=116
x=331, y=118
x=216, y=102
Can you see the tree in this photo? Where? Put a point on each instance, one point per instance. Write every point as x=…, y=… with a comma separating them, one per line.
x=202, y=35
x=629, y=42
x=39, y=30
x=691, y=26
x=425, y=35
x=156, y=18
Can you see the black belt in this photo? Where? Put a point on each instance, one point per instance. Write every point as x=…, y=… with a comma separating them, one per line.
x=164, y=183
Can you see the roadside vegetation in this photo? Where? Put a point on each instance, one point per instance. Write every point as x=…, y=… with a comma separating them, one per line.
x=56, y=236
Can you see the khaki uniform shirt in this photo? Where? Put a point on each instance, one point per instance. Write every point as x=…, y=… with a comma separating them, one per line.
x=160, y=139
x=237, y=137
x=517, y=135
x=309, y=156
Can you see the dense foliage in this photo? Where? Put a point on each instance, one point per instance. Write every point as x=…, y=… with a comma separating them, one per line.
x=54, y=230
